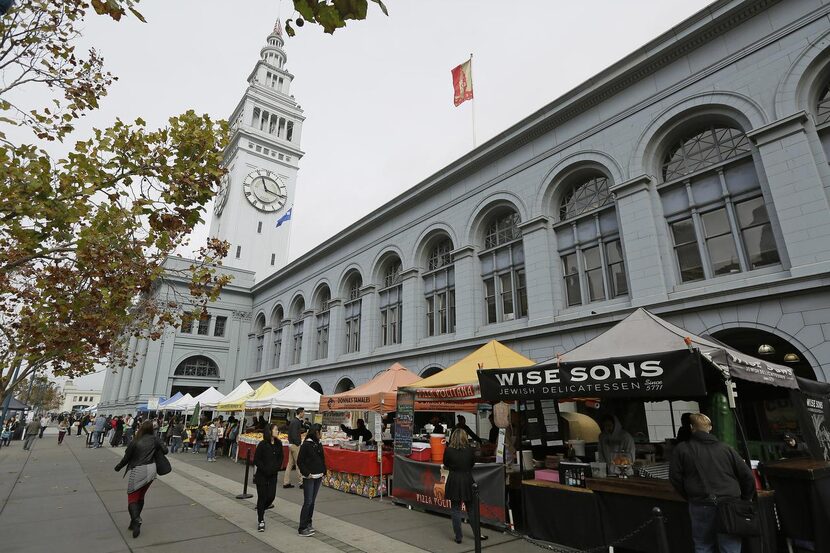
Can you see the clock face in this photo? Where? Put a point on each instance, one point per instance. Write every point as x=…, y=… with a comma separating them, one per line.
x=222, y=195
x=265, y=190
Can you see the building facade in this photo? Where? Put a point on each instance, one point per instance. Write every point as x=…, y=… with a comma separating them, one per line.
x=690, y=178
x=75, y=399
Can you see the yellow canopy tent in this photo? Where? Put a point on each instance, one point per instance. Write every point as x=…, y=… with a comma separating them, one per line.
x=460, y=380
x=266, y=389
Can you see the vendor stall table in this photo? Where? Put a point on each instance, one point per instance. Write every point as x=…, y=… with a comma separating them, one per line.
x=802, y=494
x=244, y=447
x=356, y=472
x=613, y=507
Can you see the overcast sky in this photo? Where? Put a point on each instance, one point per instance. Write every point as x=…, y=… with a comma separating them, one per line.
x=377, y=95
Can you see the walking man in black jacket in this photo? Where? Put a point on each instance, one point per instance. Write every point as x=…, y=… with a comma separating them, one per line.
x=296, y=429
x=726, y=475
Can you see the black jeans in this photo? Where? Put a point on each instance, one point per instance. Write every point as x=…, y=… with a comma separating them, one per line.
x=472, y=516
x=42, y=428
x=266, y=492
x=310, y=488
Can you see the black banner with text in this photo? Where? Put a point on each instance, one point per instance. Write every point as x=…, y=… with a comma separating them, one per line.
x=422, y=485
x=670, y=374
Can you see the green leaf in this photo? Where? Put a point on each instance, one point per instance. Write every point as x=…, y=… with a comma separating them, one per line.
x=359, y=8
x=382, y=6
x=307, y=9
x=138, y=15
x=329, y=18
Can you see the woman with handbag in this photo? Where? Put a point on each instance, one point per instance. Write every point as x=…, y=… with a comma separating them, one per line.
x=311, y=460
x=144, y=459
x=459, y=460
x=268, y=462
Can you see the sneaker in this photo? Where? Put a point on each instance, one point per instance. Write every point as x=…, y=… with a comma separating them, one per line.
x=286, y=486
x=307, y=532
x=261, y=526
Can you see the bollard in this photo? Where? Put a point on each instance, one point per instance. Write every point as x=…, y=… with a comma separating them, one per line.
x=662, y=539
x=245, y=494
x=476, y=519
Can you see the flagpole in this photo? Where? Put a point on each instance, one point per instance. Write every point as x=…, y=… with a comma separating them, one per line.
x=288, y=243
x=473, y=102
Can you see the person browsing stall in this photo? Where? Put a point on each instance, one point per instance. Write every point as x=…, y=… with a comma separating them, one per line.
x=296, y=428
x=614, y=439
x=462, y=425
x=356, y=433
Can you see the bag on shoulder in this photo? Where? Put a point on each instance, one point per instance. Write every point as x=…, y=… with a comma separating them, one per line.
x=738, y=517
x=162, y=463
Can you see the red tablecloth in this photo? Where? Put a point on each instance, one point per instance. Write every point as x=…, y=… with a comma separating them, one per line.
x=364, y=463
x=244, y=448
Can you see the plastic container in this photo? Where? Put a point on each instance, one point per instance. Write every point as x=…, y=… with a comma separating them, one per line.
x=437, y=444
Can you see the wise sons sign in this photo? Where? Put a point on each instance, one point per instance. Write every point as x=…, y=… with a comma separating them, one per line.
x=658, y=375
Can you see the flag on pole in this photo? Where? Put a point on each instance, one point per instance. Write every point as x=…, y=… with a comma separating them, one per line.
x=462, y=82
x=285, y=217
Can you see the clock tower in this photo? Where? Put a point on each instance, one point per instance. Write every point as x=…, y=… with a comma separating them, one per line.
x=262, y=159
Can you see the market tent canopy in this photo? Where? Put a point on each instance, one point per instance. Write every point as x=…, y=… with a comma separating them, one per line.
x=460, y=380
x=295, y=395
x=208, y=400
x=265, y=390
x=640, y=356
x=90, y=409
x=179, y=404
x=379, y=394
x=166, y=402
x=643, y=332
x=235, y=400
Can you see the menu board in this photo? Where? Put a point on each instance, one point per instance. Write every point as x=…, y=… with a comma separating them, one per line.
x=543, y=423
x=404, y=422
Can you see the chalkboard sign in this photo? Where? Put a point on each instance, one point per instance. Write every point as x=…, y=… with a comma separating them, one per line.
x=404, y=422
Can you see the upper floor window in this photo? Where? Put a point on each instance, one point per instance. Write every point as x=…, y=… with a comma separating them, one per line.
x=276, y=331
x=187, y=323
x=502, y=230
x=439, y=289
x=219, y=326
x=503, y=271
x=198, y=365
x=588, y=195
x=391, y=304
x=322, y=350
x=711, y=146
x=589, y=245
x=204, y=325
x=351, y=309
x=717, y=218
x=298, y=323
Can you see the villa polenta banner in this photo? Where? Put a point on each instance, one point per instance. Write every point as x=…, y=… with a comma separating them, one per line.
x=658, y=375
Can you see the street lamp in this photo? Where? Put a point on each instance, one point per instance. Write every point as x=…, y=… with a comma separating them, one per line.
x=766, y=349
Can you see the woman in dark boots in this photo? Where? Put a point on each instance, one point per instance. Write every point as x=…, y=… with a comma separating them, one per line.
x=268, y=462
x=312, y=464
x=141, y=467
x=459, y=460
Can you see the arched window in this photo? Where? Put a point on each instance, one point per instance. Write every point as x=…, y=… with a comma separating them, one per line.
x=439, y=288
x=316, y=387
x=823, y=107
x=351, y=308
x=276, y=331
x=588, y=238
x=198, y=365
x=391, y=303
x=713, y=145
x=323, y=300
x=259, y=328
x=503, y=268
x=714, y=206
x=344, y=385
x=585, y=196
x=297, y=322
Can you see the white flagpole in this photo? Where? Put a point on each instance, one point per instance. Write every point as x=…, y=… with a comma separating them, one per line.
x=288, y=243
x=472, y=102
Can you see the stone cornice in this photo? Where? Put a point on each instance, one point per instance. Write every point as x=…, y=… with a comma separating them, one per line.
x=368, y=289
x=409, y=273
x=778, y=129
x=541, y=222
x=463, y=252
x=631, y=186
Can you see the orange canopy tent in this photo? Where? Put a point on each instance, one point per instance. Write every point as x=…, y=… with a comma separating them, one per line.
x=379, y=394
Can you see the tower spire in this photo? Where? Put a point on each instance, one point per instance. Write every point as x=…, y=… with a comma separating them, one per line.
x=277, y=28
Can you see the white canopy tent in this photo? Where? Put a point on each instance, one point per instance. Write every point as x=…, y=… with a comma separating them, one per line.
x=209, y=399
x=181, y=403
x=295, y=395
x=241, y=392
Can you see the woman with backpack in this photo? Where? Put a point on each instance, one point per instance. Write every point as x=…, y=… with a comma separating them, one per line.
x=140, y=460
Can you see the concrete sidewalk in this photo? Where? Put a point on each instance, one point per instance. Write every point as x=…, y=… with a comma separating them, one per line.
x=69, y=499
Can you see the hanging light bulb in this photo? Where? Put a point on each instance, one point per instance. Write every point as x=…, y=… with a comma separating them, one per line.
x=792, y=358
x=766, y=349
